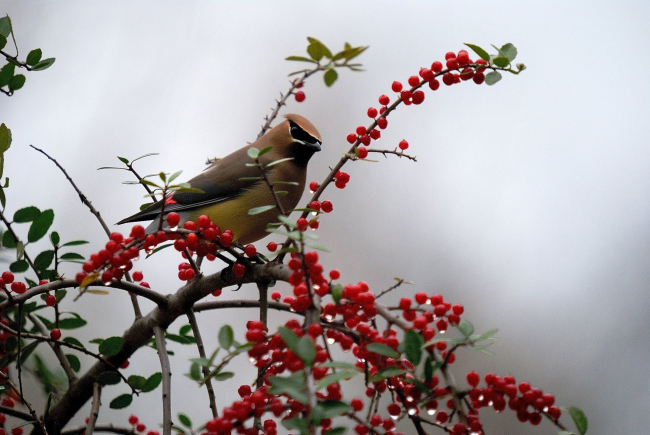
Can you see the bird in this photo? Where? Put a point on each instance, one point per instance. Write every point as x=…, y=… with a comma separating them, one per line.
x=231, y=188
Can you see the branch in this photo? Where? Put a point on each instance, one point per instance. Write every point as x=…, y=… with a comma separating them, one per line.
x=395, y=152
x=161, y=347
x=206, y=372
x=78, y=430
x=94, y=411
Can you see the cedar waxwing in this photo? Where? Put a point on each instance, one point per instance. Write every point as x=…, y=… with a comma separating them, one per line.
x=227, y=197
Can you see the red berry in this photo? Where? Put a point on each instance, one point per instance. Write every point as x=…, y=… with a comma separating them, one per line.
x=250, y=251
x=357, y=404
x=403, y=145
x=426, y=74
x=361, y=130
x=226, y=238
x=372, y=112
x=7, y=277
x=203, y=221
x=138, y=232
x=414, y=81
x=17, y=431
x=396, y=86
x=434, y=85
x=217, y=293
x=133, y=419
x=326, y=206
x=238, y=270
x=180, y=245
x=448, y=79
x=55, y=334
x=457, y=309
x=478, y=78
x=436, y=67
x=173, y=219
x=420, y=297
x=418, y=97
x=117, y=237
x=313, y=186
x=50, y=300
x=394, y=409
x=450, y=55
x=473, y=379
x=272, y=246
x=382, y=123
x=244, y=390
x=365, y=139
x=314, y=330
x=276, y=296
x=137, y=276
x=18, y=287
x=362, y=152
x=125, y=364
x=384, y=100
x=300, y=96
x=452, y=63
x=374, y=134
x=352, y=138
x=141, y=427
x=302, y=224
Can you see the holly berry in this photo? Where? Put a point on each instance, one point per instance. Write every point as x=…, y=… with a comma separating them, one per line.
x=55, y=334
x=396, y=86
x=203, y=221
x=403, y=145
x=382, y=123
x=362, y=152
x=414, y=81
x=250, y=251
x=384, y=100
x=302, y=224
x=326, y=206
x=238, y=270
x=276, y=296
x=50, y=300
x=473, y=379
x=313, y=186
x=272, y=246
x=133, y=419
x=173, y=219
x=351, y=138
x=140, y=427
x=300, y=96
x=18, y=287
x=7, y=277
x=137, y=276
x=372, y=112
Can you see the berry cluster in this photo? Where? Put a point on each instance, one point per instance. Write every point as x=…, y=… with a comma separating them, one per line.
x=138, y=426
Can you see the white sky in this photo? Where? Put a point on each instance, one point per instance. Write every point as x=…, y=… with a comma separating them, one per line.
x=529, y=203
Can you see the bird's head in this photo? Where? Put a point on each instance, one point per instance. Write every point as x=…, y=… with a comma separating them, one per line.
x=301, y=136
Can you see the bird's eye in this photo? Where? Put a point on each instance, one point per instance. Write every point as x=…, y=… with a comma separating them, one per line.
x=299, y=134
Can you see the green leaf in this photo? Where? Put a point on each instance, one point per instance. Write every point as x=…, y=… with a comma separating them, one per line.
x=290, y=338
x=509, y=51
x=72, y=322
x=339, y=365
x=300, y=59
x=43, y=260
x=306, y=350
x=44, y=64
x=413, y=346
x=492, y=77
x=285, y=220
x=481, y=53
x=27, y=214
x=316, y=50
x=195, y=372
x=73, y=340
x=330, y=77
x=111, y=346
x=20, y=250
x=75, y=364
x=5, y=139
x=223, y=376
x=465, y=328
x=72, y=256
x=334, y=378
x=136, y=382
x=152, y=382
x=8, y=240
x=17, y=82
x=3, y=42
x=174, y=176
x=40, y=226
x=340, y=430
x=302, y=424
x=277, y=162
x=428, y=369
x=203, y=362
x=337, y=292
x=185, y=420
x=253, y=153
x=259, y=210
x=55, y=238
x=109, y=378
x=6, y=74
x=226, y=336
x=5, y=26
x=19, y=266
x=579, y=419
x=34, y=56
x=293, y=386
x=386, y=373
x=319, y=247
x=185, y=329
x=501, y=61
x=383, y=349
x=484, y=336
x=329, y=409
x=121, y=401
x=182, y=339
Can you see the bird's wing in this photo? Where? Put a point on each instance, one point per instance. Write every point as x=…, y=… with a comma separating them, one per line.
x=226, y=179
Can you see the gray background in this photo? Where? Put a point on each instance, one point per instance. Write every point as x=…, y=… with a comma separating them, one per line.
x=528, y=203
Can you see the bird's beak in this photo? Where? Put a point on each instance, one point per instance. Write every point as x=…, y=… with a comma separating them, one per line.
x=314, y=146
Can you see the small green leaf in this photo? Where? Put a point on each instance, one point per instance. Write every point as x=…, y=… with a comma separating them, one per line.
x=44, y=64
x=285, y=220
x=579, y=419
x=109, y=378
x=386, y=373
x=492, y=77
x=481, y=53
x=55, y=238
x=5, y=26
x=17, y=82
x=293, y=386
x=335, y=378
x=121, y=401
x=413, y=346
x=19, y=266
x=330, y=77
x=5, y=139
x=319, y=247
x=111, y=346
x=43, y=260
x=253, y=153
x=223, y=376
x=306, y=350
x=465, y=328
x=259, y=210
x=185, y=420
x=485, y=335
x=337, y=292
x=40, y=226
x=27, y=214
x=277, y=162
x=152, y=382
x=6, y=74
x=340, y=430
x=73, y=340
x=75, y=243
x=330, y=409
x=501, y=61
x=316, y=50
x=3, y=42
x=72, y=256
x=299, y=423
x=300, y=59
x=195, y=372
x=8, y=240
x=226, y=336
x=34, y=56
x=136, y=382
x=290, y=338
x=383, y=349
x=509, y=51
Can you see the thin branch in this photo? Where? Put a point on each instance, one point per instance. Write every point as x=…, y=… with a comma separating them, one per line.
x=395, y=152
x=94, y=410
x=33, y=413
x=238, y=303
x=166, y=379
x=400, y=281
x=206, y=372
x=56, y=348
x=78, y=430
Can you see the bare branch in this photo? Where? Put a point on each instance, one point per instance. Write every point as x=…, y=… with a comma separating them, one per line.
x=166, y=379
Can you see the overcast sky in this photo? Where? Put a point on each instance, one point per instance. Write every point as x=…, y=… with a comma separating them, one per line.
x=529, y=203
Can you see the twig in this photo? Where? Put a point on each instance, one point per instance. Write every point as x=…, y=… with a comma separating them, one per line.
x=397, y=153
x=400, y=281
x=94, y=411
x=78, y=430
x=166, y=379
x=56, y=348
x=32, y=412
x=206, y=372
